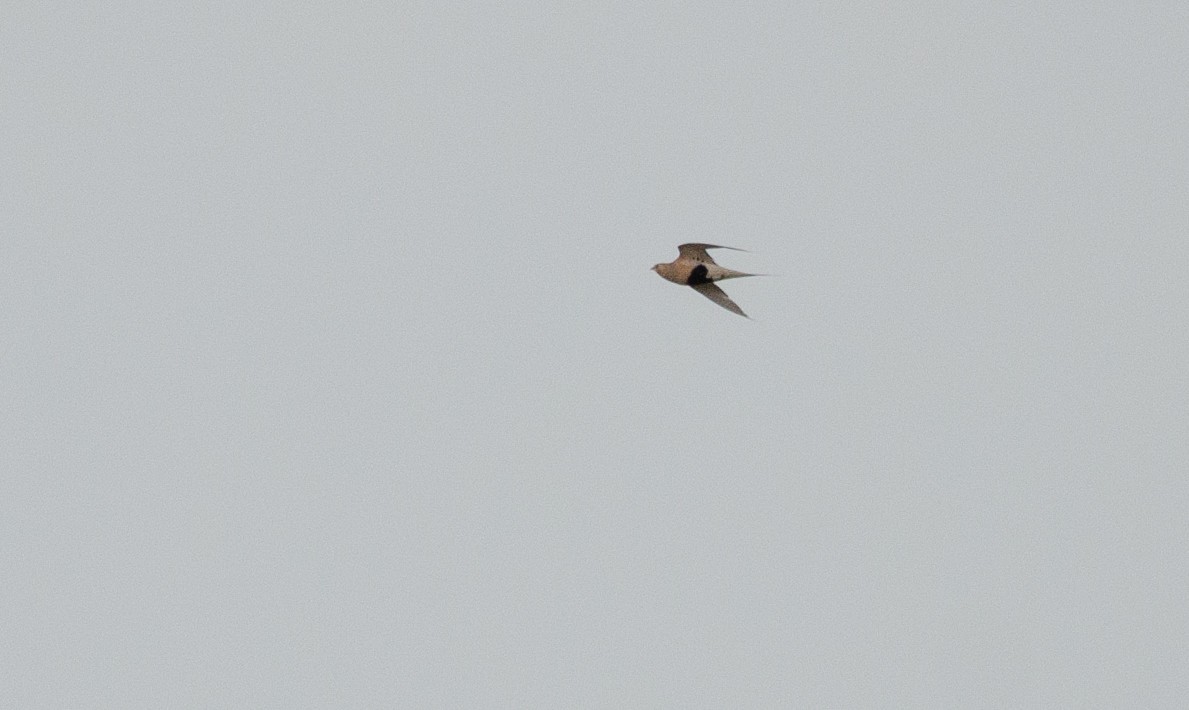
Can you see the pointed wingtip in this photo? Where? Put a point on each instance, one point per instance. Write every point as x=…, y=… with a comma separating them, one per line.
x=703, y=245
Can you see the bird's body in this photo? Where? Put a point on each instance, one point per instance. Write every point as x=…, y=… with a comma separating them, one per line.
x=693, y=267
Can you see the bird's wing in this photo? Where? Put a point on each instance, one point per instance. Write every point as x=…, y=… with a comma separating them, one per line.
x=716, y=294
x=697, y=252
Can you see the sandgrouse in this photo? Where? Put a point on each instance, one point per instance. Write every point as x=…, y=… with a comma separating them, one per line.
x=693, y=267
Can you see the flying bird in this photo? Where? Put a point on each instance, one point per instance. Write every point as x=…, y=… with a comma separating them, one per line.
x=693, y=267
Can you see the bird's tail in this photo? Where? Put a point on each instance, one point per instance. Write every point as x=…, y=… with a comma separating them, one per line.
x=722, y=274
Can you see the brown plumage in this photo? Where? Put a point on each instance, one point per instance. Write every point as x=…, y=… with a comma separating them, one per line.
x=695, y=268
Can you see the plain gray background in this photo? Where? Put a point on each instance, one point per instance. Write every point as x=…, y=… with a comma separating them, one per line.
x=333, y=373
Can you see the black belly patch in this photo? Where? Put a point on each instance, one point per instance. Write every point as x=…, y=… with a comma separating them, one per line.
x=698, y=276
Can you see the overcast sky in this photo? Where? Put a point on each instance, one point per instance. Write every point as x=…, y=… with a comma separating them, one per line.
x=333, y=373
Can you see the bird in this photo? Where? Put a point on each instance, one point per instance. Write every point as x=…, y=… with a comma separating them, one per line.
x=693, y=267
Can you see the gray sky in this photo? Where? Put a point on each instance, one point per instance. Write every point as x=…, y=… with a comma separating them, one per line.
x=333, y=373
